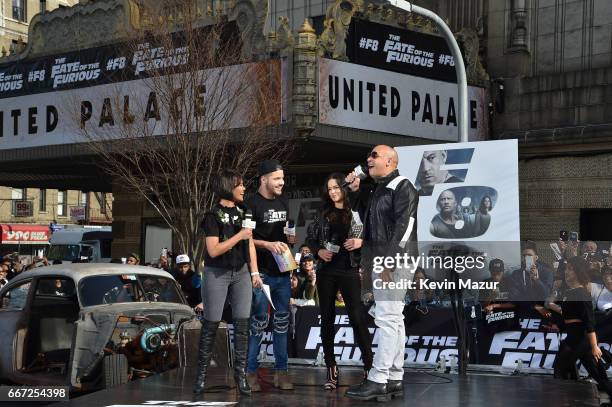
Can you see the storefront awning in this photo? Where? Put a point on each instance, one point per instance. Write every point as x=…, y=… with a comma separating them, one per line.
x=24, y=234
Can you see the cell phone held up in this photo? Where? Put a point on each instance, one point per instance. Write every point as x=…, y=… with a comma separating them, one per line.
x=564, y=235
x=573, y=236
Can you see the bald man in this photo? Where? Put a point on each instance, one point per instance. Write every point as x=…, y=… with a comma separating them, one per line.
x=390, y=224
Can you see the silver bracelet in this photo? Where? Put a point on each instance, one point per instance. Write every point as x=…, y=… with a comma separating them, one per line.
x=255, y=274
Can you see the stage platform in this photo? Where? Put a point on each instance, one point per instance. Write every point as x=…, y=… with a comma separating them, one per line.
x=421, y=388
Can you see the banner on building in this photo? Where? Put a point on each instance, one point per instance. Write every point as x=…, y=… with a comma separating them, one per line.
x=356, y=96
x=117, y=62
x=24, y=234
x=395, y=49
x=22, y=209
x=108, y=110
x=77, y=212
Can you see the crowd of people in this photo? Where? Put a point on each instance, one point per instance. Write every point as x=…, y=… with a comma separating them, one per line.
x=240, y=261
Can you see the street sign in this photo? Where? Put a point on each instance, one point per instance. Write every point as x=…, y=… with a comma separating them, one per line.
x=22, y=209
x=77, y=212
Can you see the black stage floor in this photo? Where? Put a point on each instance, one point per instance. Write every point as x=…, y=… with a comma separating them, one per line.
x=420, y=389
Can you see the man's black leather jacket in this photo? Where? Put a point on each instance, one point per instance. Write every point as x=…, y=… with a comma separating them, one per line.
x=390, y=217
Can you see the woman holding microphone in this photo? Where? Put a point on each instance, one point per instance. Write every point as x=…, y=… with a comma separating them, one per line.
x=335, y=236
x=230, y=269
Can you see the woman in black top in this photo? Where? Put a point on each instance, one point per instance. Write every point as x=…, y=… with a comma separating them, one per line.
x=228, y=258
x=335, y=236
x=576, y=309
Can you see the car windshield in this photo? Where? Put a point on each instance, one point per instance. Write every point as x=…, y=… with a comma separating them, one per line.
x=112, y=289
x=67, y=252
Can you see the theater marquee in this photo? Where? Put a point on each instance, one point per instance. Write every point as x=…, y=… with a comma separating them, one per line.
x=367, y=98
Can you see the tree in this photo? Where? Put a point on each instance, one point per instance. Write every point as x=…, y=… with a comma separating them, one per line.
x=198, y=108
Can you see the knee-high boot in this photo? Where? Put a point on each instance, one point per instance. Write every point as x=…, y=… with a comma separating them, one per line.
x=241, y=344
x=207, y=343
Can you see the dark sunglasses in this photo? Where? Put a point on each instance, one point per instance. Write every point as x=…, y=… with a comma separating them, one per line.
x=373, y=154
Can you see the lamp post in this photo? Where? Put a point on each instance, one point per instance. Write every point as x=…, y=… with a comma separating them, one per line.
x=455, y=51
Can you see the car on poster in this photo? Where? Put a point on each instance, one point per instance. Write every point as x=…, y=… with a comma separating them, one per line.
x=91, y=326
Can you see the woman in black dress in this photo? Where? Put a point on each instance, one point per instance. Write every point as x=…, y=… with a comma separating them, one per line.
x=335, y=237
x=576, y=309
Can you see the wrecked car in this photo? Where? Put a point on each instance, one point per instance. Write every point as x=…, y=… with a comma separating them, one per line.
x=91, y=326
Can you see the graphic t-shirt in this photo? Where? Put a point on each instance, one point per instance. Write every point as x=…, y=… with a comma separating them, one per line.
x=229, y=220
x=271, y=216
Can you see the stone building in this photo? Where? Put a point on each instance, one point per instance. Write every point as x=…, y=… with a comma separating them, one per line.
x=15, y=18
x=545, y=66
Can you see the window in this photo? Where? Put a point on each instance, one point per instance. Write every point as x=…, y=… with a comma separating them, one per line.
x=62, y=203
x=103, y=203
x=16, y=298
x=19, y=10
x=55, y=287
x=83, y=199
x=17, y=194
x=42, y=200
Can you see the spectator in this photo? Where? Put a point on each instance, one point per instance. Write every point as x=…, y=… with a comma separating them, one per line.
x=163, y=263
x=3, y=276
x=534, y=280
x=496, y=270
x=133, y=259
x=304, y=250
x=589, y=247
x=306, y=266
x=602, y=293
x=339, y=300
x=309, y=286
x=296, y=294
x=190, y=282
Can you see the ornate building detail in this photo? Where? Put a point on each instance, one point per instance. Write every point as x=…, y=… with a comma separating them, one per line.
x=305, y=88
x=250, y=16
x=518, y=24
x=281, y=40
x=476, y=74
x=337, y=20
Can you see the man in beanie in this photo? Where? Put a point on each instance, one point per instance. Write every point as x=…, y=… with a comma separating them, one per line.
x=190, y=282
x=270, y=211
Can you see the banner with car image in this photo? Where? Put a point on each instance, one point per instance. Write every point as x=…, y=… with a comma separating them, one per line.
x=468, y=197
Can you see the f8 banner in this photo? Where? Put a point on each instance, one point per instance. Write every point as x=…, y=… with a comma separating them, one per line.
x=366, y=98
x=390, y=48
x=100, y=65
x=64, y=117
x=468, y=195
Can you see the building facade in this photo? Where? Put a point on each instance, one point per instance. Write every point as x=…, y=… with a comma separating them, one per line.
x=544, y=66
x=15, y=18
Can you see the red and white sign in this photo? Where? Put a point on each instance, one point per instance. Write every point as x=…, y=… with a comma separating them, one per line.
x=23, y=208
x=77, y=212
x=24, y=234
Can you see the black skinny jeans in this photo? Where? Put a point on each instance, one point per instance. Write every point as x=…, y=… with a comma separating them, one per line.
x=329, y=281
x=576, y=346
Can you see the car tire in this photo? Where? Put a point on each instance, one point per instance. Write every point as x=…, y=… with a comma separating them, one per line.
x=115, y=369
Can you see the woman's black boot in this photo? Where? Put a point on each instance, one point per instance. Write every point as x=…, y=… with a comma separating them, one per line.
x=207, y=343
x=241, y=345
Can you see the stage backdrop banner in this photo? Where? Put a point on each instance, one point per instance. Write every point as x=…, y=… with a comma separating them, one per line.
x=432, y=336
x=361, y=97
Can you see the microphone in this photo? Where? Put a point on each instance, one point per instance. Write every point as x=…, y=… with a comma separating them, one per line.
x=248, y=222
x=361, y=171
